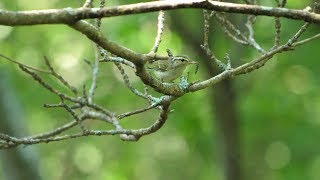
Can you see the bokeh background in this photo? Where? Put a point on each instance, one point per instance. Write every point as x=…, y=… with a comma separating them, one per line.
x=265, y=125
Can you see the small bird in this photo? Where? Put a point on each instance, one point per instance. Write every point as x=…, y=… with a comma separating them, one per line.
x=171, y=69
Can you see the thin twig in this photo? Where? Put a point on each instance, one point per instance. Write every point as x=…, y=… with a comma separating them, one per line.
x=159, y=32
x=299, y=43
x=26, y=66
x=88, y=4
x=107, y=58
x=55, y=131
x=98, y=21
x=95, y=70
x=277, y=34
x=46, y=85
x=263, y=59
x=73, y=114
x=283, y=4
x=123, y=115
x=95, y=65
x=250, y=66
x=251, y=41
x=298, y=34
x=39, y=80
x=206, y=28
x=127, y=82
x=277, y=26
x=137, y=134
x=53, y=105
x=205, y=46
x=59, y=77
x=230, y=29
x=126, y=134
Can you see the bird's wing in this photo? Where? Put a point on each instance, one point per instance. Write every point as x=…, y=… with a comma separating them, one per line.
x=160, y=65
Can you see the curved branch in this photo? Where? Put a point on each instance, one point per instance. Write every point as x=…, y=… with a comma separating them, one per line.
x=137, y=58
x=252, y=65
x=125, y=134
x=70, y=15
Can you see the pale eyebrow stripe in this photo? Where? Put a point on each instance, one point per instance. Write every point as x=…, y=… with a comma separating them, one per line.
x=180, y=57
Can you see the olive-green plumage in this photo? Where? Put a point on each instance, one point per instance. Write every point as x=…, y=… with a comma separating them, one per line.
x=171, y=69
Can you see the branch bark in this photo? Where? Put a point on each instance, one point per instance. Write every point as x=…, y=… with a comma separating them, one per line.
x=70, y=15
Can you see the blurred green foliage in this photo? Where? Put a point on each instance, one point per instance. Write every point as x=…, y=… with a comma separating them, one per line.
x=278, y=105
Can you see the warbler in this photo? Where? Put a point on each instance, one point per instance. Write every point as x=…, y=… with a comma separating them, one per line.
x=171, y=69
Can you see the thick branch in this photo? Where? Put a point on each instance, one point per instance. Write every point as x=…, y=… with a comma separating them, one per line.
x=70, y=15
x=138, y=59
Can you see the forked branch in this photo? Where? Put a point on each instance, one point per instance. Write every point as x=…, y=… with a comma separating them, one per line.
x=80, y=103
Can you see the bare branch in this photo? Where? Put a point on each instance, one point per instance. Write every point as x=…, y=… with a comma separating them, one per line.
x=107, y=58
x=230, y=29
x=278, y=25
x=46, y=85
x=95, y=70
x=251, y=40
x=83, y=108
x=127, y=82
x=298, y=34
x=39, y=80
x=59, y=77
x=206, y=28
x=55, y=131
x=73, y=114
x=205, y=46
x=277, y=34
x=70, y=16
x=123, y=115
x=88, y=4
x=129, y=135
x=153, y=128
x=159, y=32
x=252, y=65
x=299, y=43
x=24, y=65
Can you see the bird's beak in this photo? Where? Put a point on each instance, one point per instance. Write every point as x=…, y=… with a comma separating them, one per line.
x=192, y=62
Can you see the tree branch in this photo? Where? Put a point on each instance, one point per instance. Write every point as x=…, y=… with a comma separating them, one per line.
x=70, y=15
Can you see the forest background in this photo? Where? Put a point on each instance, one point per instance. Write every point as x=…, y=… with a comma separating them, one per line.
x=277, y=107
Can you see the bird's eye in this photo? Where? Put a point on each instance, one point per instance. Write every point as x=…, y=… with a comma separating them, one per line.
x=182, y=60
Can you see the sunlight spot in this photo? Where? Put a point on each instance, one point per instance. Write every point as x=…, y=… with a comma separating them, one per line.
x=5, y=31
x=30, y=56
x=36, y=4
x=298, y=79
x=71, y=69
x=66, y=61
x=87, y=158
x=277, y=155
x=112, y=175
x=52, y=165
x=314, y=170
x=147, y=168
x=312, y=108
x=172, y=146
x=38, y=125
